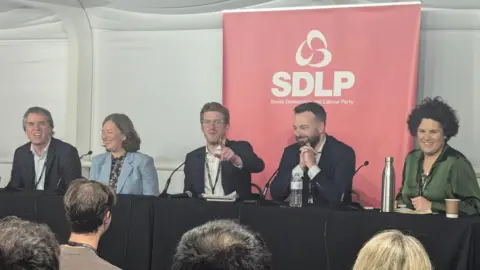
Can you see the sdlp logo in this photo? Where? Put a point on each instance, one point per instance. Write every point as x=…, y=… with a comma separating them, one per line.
x=289, y=84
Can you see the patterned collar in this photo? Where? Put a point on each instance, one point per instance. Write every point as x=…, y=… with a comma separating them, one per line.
x=120, y=158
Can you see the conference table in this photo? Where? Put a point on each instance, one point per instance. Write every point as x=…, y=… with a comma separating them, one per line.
x=145, y=230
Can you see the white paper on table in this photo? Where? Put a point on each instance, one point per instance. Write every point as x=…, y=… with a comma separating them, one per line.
x=415, y=212
x=232, y=197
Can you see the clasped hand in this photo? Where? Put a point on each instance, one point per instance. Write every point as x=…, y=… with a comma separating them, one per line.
x=307, y=157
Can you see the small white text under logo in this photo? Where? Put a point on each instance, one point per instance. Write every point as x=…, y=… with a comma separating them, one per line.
x=319, y=101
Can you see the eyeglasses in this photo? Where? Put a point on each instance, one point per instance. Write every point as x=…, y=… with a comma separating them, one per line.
x=215, y=122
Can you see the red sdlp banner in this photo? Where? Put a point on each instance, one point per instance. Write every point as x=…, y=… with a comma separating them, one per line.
x=358, y=61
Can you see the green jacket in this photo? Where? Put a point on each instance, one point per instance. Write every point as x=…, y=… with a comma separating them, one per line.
x=451, y=176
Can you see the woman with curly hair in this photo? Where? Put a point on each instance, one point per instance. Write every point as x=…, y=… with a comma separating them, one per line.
x=436, y=171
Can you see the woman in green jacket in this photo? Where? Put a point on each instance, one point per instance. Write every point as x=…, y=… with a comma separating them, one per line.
x=436, y=171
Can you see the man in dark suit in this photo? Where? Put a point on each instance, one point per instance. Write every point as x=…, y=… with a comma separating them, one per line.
x=222, y=166
x=45, y=163
x=327, y=164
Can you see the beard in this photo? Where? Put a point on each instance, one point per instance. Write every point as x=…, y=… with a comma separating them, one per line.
x=312, y=140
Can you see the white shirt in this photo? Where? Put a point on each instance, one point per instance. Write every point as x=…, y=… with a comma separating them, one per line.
x=213, y=163
x=40, y=163
x=314, y=170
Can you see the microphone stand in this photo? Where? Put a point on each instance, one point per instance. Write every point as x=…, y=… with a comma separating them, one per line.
x=164, y=193
x=355, y=205
x=267, y=185
x=261, y=198
x=361, y=166
x=87, y=154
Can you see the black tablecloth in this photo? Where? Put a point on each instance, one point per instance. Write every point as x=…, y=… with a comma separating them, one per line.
x=295, y=237
x=128, y=242
x=145, y=231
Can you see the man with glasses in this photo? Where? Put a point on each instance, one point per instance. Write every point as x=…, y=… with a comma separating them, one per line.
x=222, y=166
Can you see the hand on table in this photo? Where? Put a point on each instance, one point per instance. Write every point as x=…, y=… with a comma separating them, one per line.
x=421, y=204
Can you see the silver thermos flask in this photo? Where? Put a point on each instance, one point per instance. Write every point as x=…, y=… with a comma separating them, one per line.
x=388, y=185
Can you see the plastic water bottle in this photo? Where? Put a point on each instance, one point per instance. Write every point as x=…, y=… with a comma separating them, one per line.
x=296, y=188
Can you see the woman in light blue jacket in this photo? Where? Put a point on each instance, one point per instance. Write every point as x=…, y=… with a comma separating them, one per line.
x=122, y=167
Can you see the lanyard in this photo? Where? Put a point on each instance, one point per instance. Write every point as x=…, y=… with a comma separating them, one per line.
x=310, y=194
x=424, y=178
x=423, y=183
x=41, y=174
x=76, y=244
x=310, y=191
x=212, y=186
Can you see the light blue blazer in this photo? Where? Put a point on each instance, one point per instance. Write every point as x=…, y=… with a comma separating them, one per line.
x=138, y=175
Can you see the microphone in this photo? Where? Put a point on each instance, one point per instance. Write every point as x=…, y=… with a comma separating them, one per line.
x=257, y=187
x=267, y=185
x=366, y=163
x=167, y=184
x=186, y=195
x=350, y=204
x=361, y=166
x=87, y=154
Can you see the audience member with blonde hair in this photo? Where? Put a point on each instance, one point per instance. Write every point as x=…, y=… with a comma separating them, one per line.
x=392, y=250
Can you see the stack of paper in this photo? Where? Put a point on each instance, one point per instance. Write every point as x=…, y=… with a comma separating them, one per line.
x=410, y=211
x=232, y=197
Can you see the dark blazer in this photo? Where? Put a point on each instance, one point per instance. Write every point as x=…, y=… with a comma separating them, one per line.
x=233, y=178
x=337, y=165
x=62, y=167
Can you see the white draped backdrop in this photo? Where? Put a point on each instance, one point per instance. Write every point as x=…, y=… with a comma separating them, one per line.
x=159, y=61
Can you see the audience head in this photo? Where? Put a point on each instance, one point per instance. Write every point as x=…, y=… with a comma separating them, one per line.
x=433, y=122
x=88, y=205
x=215, y=120
x=309, y=123
x=26, y=245
x=392, y=250
x=221, y=244
x=38, y=125
x=118, y=134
